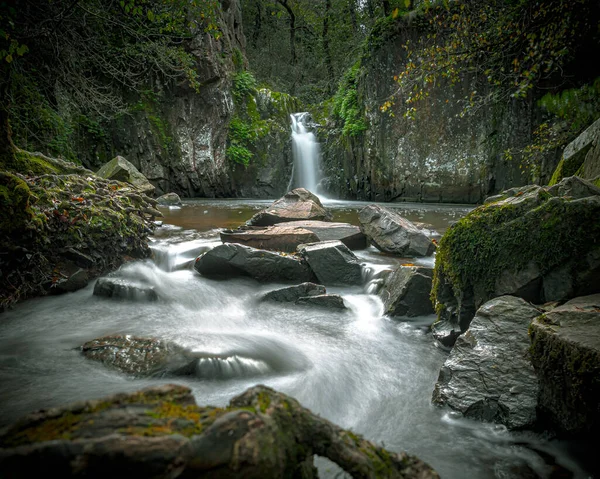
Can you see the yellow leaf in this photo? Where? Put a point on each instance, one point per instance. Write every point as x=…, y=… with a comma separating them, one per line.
x=395, y=12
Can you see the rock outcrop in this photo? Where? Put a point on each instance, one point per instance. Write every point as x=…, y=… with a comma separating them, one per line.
x=292, y=294
x=405, y=292
x=324, y=301
x=120, y=169
x=123, y=289
x=333, y=263
x=160, y=432
x=169, y=199
x=282, y=237
x=565, y=351
x=488, y=375
x=230, y=259
x=296, y=205
x=391, y=233
x=541, y=244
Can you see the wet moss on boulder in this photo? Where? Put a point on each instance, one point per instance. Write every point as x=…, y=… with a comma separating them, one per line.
x=160, y=432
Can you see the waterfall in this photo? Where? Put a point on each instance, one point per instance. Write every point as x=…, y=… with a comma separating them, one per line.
x=305, y=150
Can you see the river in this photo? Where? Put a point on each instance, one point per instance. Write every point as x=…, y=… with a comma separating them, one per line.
x=360, y=369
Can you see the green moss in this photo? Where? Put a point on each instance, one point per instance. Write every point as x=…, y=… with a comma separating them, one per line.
x=15, y=209
x=493, y=238
x=264, y=401
x=347, y=106
x=565, y=168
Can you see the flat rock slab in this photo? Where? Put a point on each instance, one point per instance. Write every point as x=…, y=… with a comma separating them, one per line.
x=488, y=375
x=288, y=236
x=296, y=205
x=123, y=289
x=139, y=356
x=333, y=263
x=122, y=170
x=565, y=350
x=391, y=233
x=294, y=293
x=274, y=238
x=161, y=432
x=230, y=260
x=325, y=301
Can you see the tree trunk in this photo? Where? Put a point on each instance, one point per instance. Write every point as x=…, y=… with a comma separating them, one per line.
x=326, y=48
x=293, y=59
x=387, y=9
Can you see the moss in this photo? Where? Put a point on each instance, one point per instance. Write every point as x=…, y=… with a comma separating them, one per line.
x=15, y=210
x=498, y=237
x=347, y=106
x=264, y=401
x=565, y=168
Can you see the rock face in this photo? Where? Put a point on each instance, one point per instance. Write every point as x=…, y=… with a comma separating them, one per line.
x=296, y=205
x=121, y=170
x=169, y=199
x=565, y=351
x=294, y=293
x=122, y=289
x=405, y=292
x=231, y=259
x=488, y=375
x=537, y=243
x=160, y=432
x=325, y=301
x=391, y=233
x=288, y=236
x=140, y=356
x=275, y=238
x=333, y=263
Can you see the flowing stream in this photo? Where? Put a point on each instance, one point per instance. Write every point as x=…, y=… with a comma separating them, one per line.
x=360, y=369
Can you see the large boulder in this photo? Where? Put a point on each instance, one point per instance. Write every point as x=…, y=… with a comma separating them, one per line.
x=140, y=356
x=292, y=294
x=160, y=432
x=169, y=199
x=124, y=289
x=230, y=259
x=391, y=233
x=324, y=301
x=121, y=170
x=274, y=238
x=565, y=351
x=296, y=205
x=333, y=263
x=405, y=292
x=286, y=237
x=541, y=244
x=488, y=375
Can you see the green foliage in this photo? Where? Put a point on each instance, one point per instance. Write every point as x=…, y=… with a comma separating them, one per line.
x=244, y=84
x=346, y=104
x=239, y=154
x=577, y=106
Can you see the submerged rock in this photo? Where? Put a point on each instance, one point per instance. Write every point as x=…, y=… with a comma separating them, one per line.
x=488, y=375
x=293, y=293
x=526, y=242
x=140, y=356
x=229, y=260
x=333, y=263
x=288, y=236
x=122, y=170
x=169, y=199
x=325, y=301
x=160, y=432
x=391, y=233
x=405, y=292
x=565, y=351
x=298, y=204
x=275, y=238
x=123, y=289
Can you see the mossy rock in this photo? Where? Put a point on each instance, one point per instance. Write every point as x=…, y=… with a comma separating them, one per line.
x=539, y=244
x=15, y=209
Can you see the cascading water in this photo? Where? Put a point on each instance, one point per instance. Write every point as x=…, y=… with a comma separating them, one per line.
x=305, y=150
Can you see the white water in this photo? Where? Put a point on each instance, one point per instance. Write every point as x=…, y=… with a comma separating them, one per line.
x=358, y=368
x=305, y=150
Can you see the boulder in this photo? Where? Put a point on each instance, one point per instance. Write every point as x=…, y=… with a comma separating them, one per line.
x=160, y=432
x=488, y=375
x=123, y=289
x=325, y=301
x=391, y=233
x=74, y=281
x=405, y=292
x=140, y=356
x=286, y=237
x=169, y=199
x=298, y=204
x=230, y=259
x=537, y=243
x=293, y=293
x=333, y=263
x=275, y=238
x=121, y=170
x=565, y=351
